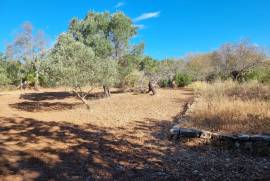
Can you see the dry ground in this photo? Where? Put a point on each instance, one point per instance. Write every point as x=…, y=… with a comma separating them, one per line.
x=49, y=135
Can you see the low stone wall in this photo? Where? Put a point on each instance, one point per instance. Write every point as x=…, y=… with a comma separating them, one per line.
x=251, y=143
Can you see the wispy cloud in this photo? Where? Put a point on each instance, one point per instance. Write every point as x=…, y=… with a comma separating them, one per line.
x=140, y=26
x=147, y=16
x=120, y=4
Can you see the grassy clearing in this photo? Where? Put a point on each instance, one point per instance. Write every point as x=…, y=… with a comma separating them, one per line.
x=231, y=107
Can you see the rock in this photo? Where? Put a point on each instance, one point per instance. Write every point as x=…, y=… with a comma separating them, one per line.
x=189, y=133
x=195, y=172
x=206, y=134
x=175, y=130
x=161, y=174
x=252, y=143
x=120, y=168
x=243, y=137
x=237, y=144
x=88, y=178
x=260, y=138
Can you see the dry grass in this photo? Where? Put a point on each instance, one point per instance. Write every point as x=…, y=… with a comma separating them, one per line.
x=121, y=109
x=231, y=107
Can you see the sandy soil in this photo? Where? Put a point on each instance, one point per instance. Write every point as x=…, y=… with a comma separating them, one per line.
x=49, y=135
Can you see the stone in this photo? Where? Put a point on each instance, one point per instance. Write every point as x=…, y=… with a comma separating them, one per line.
x=175, y=130
x=260, y=138
x=243, y=137
x=237, y=144
x=206, y=135
x=189, y=133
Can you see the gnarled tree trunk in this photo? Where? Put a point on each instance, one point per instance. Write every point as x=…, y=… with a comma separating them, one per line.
x=151, y=88
x=82, y=96
x=106, y=90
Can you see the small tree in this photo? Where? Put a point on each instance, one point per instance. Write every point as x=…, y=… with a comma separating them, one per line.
x=107, y=75
x=73, y=64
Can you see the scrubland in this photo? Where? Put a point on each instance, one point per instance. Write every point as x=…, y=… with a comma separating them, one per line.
x=230, y=107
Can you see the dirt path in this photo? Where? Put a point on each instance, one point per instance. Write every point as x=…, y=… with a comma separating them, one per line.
x=50, y=136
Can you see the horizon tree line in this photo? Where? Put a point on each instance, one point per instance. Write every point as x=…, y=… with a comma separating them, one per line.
x=97, y=52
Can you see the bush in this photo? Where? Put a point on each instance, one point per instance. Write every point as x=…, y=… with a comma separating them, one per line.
x=132, y=80
x=266, y=78
x=165, y=83
x=261, y=75
x=182, y=79
x=3, y=77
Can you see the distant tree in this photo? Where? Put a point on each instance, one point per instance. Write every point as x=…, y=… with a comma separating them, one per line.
x=129, y=65
x=202, y=66
x=29, y=49
x=71, y=63
x=169, y=67
x=238, y=58
x=149, y=68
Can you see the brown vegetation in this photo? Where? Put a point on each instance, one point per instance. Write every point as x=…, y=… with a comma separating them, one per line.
x=231, y=107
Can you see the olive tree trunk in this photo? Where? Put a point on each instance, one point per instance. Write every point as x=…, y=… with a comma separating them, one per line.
x=36, y=86
x=82, y=97
x=106, y=90
x=151, y=88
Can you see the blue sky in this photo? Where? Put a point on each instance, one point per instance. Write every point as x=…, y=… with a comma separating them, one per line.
x=169, y=28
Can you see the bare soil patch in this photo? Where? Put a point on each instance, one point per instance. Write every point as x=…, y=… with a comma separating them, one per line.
x=123, y=138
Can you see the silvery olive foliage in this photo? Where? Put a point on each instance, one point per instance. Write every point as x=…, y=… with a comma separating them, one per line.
x=72, y=63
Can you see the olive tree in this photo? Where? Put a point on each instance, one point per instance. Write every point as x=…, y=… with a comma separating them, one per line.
x=73, y=64
x=108, y=35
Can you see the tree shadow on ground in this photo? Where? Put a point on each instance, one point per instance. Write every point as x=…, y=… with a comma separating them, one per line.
x=101, y=95
x=43, y=106
x=36, y=150
x=46, y=96
x=42, y=96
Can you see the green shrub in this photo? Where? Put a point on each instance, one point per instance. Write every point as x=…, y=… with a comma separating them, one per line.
x=4, y=80
x=182, y=79
x=261, y=75
x=165, y=83
x=266, y=78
